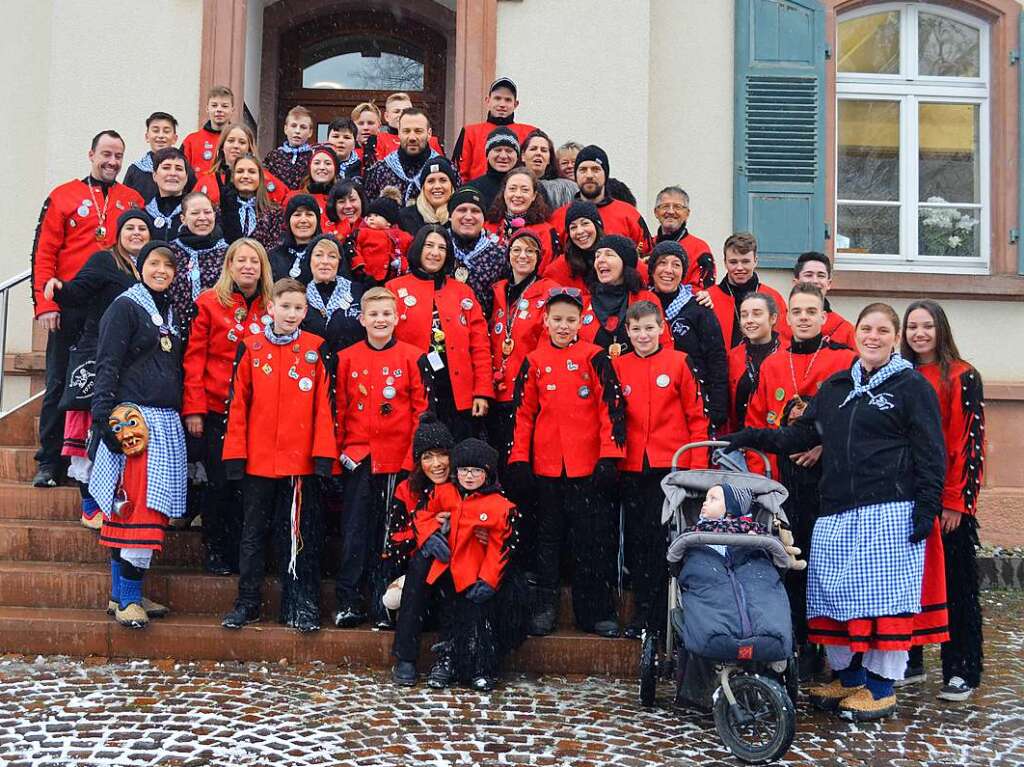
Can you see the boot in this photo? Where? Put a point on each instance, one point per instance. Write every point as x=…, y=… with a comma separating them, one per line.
x=129, y=611
x=443, y=671
x=115, y=586
x=862, y=706
x=404, y=673
x=215, y=564
x=242, y=614
x=828, y=697
x=545, y=614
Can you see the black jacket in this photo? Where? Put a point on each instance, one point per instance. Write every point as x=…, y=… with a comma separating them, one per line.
x=343, y=329
x=488, y=185
x=881, y=447
x=93, y=290
x=410, y=219
x=695, y=331
x=131, y=366
x=283, y=257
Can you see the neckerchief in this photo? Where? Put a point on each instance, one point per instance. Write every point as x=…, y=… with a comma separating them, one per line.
x=139, y=293
x=394, y=163
x=275, y=339
x=145, y=163
x=154, y=212
x=294, y=151
x=296, y=269
x=344, y=165
x=194, y=275
x=467, y=256
x=682, y=299
x=247, y=214
x=895, y=364
x=341, y=297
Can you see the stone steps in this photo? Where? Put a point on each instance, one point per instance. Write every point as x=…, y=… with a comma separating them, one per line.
x=22, y=501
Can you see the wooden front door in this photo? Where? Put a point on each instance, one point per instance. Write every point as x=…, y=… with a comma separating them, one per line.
x=332, y=63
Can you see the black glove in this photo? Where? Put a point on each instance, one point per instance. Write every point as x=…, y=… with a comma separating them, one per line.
x=606, y=474
x=518, y=480
x=436, y=546
x=106, y=434
x=923, y=524
x=479, y=592
x=322, y=466
x=738, y=439
x=234, y=469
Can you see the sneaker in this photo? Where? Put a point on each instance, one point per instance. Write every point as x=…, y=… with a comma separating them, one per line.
x=349, y=618
x=863, y=707
x=46, y=476
x=482, y=684
x=827, y=697
x=956, y=689
x=95, y=522
x=441, y=673
x=132, y=616
x=404, y=673
x=913, y=675
x=242, y=615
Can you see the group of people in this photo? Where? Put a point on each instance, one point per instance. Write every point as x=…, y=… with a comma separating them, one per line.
x=475, y=371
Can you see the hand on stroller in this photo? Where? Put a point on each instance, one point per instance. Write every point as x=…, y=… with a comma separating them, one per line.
x=437, y=547
x=739, y=439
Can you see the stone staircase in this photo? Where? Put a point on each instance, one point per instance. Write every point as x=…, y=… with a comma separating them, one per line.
x=54, y=582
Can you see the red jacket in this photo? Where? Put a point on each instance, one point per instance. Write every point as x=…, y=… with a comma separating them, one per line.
x=746, y=371
x=618, y=217
x=388, y=143
x=524, y=326
x=375, y=250
x=66, y=234
x=470, y=155
x=200, y=149
x=470, y=560
x=570, y=410
x=838, y=328
x=725, y=310
x=280, y=417
x=664, y=410
x=549, y=243
x=559, y=273
x=370, y=423
x=795, y=368
x=961, y=405
x=467, y=346
x=700, y=273
x=590, y=325
x=213, y=347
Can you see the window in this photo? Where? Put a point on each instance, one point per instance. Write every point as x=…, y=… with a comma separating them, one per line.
x=363, y=63
x=912, y=166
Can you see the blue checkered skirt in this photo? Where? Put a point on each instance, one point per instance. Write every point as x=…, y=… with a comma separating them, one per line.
x=166, y=472
x=861, y=564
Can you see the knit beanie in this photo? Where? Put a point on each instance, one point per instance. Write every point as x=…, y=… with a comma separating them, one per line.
x=148, y=248
x=583, y=209
x=438, y=165
x=593, y=153
x=466, y=194
x=737, y=500
x=624, y=247
x=502, y=136
x=384, y=207
x=664, y=249
x=431, y=434
x=128, y=215
x=300, y=201
x=475, y=453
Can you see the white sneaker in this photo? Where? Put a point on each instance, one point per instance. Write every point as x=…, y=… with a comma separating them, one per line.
x=956, y=690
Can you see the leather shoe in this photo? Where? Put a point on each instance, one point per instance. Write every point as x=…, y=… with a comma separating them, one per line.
x=46, y=476
x=404, y=673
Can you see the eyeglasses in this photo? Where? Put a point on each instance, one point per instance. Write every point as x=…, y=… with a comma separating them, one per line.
x=571, y=292
x=676, y=206
x=471, y=471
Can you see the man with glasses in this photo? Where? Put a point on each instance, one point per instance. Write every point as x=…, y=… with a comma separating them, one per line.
x=672, y=209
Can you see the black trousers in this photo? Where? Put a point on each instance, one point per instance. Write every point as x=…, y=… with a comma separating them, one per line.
x=221, y=499
x=460, y=423
x=417, y=596
x=574, y=510
x=363, y=522
x=802, y=509
x=500, y=430
x=646, y=545
x=51, y=418
x=267, y=506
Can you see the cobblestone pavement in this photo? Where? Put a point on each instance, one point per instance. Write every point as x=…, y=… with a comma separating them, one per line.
x=56, y=711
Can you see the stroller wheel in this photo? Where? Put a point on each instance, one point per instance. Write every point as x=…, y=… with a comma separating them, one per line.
x=760, y=727
x=791, y=678
x=648, y=670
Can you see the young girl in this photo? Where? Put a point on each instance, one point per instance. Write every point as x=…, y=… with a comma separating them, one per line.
x=451, y=557
x=928, y=344
x=235, y=140
x=320, y=178
x=246, y=209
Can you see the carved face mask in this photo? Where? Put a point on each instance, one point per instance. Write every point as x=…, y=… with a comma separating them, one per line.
x=129, y=428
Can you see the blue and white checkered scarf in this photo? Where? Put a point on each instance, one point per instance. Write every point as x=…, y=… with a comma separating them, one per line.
x=395, y=164
x=895, y=364
x=344, y=165
x=140, y=294
x=466, y=256
x=194, y=273
x=682, y=299
x=145, y=163
x=154, y=213
x=294, y=151
x=166, y=472
x=341, y=298
x=274, y=338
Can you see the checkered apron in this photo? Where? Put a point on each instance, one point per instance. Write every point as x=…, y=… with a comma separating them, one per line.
x=166, y=472
x=861, y=564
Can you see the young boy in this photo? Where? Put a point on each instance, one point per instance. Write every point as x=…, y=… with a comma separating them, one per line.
x=816, y=268
x=468, y=571
x=380, y=394
x=470, y=153
x=290, y=161
x=161, y=133
x=569, y=433
x=280, y=433
x=379, y=245
x=740, y=253
x=170, y=177
x=341, y=135
x=664, y=409
x=201, y=147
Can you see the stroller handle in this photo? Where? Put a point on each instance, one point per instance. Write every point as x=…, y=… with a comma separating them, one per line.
x=712, y=443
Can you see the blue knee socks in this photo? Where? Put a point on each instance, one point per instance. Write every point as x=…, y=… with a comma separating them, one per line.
x=131, y=592
x=852, y=677
x=115, y=580
x=879, y=686
x=89, y=507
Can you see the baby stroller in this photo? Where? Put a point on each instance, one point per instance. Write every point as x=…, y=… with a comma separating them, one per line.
x=728, y=643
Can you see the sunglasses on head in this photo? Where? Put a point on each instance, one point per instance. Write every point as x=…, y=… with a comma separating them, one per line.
x=571, y=292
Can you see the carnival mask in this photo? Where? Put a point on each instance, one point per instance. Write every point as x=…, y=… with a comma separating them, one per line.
x=129, y=428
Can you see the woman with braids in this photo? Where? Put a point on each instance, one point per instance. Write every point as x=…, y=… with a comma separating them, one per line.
x=928, y=344
x=874, y=589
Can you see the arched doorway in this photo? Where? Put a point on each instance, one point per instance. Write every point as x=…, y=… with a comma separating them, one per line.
x=330, y=65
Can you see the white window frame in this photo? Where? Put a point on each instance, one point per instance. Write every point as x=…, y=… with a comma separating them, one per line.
x=910, y=89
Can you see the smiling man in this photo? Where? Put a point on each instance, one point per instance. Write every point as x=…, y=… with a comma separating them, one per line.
x=402, y=168
x=672, y=209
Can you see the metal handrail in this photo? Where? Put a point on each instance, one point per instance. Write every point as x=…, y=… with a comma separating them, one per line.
x=5, y=295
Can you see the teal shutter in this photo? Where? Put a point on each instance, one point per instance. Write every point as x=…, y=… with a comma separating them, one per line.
x=779, y=191
x=1020, y=145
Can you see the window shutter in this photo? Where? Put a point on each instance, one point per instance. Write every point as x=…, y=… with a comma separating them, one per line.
x=1020, y=144
x=779, y=190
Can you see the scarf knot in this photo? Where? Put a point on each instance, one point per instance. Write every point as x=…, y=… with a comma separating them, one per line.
x=247, y=214
x=275, y=339
x=294, y=151
x=676, y=305
x=895, y=365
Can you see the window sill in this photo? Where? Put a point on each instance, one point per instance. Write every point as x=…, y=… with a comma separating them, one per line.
x=987, y=287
